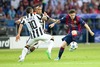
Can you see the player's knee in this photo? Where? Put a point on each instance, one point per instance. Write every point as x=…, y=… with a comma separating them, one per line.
x=27, y=46
x=32, y=49
x=64, y=44
x=52, y=39
x=74, y=33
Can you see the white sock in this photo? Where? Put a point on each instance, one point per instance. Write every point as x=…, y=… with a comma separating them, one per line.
x=51, y=44
x=28, y=52
x=24, y=53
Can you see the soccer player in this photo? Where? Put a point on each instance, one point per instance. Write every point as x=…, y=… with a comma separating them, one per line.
x=74, y=24
x=36, y=33
x=38, y=10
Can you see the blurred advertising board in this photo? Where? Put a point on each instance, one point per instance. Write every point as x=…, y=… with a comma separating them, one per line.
x=97, y=36
x=4, y=43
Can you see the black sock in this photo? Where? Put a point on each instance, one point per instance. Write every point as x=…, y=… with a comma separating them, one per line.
x=60, y=52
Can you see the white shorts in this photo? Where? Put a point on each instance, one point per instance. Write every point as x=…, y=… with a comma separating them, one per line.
x=44, y=38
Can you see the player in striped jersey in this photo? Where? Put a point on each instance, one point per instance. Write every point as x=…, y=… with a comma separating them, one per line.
x=47, y=18
x=38, y=10
x=36, y=32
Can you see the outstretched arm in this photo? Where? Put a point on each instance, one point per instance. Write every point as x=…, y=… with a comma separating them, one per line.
x=57, y=21
x=52, y=25
x=19, y=31
x=88, y=28
x=50, y=19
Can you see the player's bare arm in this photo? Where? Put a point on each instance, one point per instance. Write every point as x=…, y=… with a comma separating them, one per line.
x=19, y=31
x=55, y=22
x=50, y=19
x=88, y=28
x=18, y=21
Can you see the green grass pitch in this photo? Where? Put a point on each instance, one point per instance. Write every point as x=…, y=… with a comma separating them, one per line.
x=84, y=56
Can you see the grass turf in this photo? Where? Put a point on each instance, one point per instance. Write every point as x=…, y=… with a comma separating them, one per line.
x=84, y=56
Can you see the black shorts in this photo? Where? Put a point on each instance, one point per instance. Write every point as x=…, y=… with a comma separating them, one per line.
x=69, y=38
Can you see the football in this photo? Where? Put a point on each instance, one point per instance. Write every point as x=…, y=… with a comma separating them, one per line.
x=73, y=45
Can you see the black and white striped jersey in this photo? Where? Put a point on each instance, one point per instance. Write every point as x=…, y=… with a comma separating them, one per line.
x=41, y=21
x=33, y=24
x=40, y=16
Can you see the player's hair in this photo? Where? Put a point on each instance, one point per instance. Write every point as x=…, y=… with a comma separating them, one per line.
x=72, y=11
x=36, y=6
x=28, y=9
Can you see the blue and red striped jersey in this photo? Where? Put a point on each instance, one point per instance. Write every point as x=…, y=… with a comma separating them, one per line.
x=75, y=24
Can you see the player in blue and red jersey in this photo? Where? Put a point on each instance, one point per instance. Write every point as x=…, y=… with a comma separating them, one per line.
x=74, y=24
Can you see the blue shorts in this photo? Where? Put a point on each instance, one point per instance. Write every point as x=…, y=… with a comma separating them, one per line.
x=69, y=38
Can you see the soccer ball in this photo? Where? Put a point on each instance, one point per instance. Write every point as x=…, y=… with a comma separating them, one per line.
x=73, y=45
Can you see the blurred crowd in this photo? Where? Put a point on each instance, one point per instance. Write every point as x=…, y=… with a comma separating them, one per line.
x=12, y=10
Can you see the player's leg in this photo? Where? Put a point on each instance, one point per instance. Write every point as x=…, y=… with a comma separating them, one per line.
x=32, y=47
x=66, y=41
x=49, y=50
x=75, y=37
x=24, y=53
x=51, y=44
x=48, y=39
x=27, y=49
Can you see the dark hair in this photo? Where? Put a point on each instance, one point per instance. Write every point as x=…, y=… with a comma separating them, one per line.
x=72, y=11
x=28, y=9
x=34, y=7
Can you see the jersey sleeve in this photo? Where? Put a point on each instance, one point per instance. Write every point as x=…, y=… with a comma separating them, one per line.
x=22, y=21
x=63, y=19
x=38, y=16
x=82, y=22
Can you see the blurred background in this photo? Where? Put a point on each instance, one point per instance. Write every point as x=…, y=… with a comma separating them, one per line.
x=12, y=10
